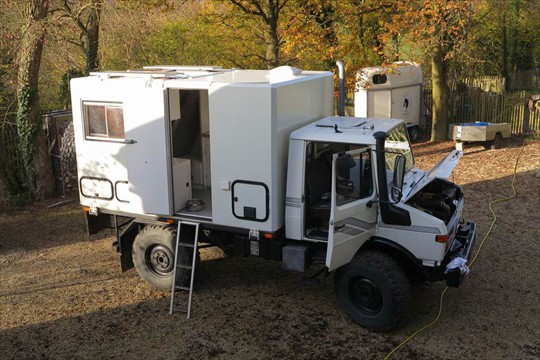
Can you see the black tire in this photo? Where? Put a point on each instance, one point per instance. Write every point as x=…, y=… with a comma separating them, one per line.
x=413, y=133
x=497, y=143
x=68, y=159
x=488, y=145
x=153, y=255
x=373, y=290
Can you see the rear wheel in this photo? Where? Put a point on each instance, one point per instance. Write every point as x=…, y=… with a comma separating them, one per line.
x=373, y=290
x=153, y=255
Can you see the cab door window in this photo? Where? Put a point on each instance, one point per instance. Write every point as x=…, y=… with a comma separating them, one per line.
x=354, y=179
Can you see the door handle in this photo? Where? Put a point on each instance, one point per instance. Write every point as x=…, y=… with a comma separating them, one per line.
x=130, y=141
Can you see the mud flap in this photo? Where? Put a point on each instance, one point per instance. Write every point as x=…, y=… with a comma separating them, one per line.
x=125, y=245
x=96, y=223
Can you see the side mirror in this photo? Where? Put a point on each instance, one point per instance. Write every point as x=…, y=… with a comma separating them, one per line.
x=397, y=181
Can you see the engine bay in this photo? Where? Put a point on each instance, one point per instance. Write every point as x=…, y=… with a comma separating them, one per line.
x=438, y=198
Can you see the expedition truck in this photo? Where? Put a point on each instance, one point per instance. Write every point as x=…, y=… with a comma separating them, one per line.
x=257, y=161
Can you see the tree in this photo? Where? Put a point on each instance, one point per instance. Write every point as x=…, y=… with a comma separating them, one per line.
x=37, y=178
x=86, y=16
x=268, y=12
x=505, y=38
x=319, y=32
x=440, y=29
x=258, y=33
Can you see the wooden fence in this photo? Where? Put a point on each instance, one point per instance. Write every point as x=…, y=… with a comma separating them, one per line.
x=524, y=80
x=8, y=146
x=469, y=104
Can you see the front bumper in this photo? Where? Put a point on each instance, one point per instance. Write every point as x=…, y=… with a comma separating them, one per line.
x=461, y=246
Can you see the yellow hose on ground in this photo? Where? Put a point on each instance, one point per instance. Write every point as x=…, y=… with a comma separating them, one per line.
x=441, y=298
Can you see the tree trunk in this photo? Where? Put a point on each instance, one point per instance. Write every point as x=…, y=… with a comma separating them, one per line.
x=268, y=12
x=92, y=37
x=506, y=73
x=439, y=126
x=272, y=45
x=37, y=178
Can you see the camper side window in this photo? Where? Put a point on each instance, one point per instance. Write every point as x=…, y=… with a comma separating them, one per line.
x=103, y=121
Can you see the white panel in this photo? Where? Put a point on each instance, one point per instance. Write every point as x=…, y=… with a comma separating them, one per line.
x=240, y=142
x=205, y=122
x=406, y=104
x=379, y=105
x=181, y=177
x=361, y=103
x=196, y=173
x=294, y=210
x=149, y=154
x=174, y=104
x=96, y=158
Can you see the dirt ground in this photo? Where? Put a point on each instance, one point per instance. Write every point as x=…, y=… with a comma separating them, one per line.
x=62, y=295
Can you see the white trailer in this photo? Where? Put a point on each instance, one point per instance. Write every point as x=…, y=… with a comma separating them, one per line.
x=391, y=92
x=256, y=161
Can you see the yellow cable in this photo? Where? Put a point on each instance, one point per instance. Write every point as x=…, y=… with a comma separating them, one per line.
x=514, y=192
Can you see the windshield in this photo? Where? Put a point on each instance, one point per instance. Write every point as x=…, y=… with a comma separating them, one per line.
x=398, y=143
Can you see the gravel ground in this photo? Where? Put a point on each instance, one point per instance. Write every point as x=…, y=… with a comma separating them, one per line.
x=62, y=295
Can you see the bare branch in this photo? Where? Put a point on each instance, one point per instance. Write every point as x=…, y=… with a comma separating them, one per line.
x=245, y=9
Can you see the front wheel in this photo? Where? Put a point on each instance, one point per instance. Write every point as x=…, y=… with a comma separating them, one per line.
x=373, y=290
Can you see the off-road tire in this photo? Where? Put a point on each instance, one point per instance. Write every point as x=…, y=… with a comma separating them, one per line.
x=153, y=255
x=373, y=290
x=68, y=160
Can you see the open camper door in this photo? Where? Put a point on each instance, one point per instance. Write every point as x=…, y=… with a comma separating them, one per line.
x=148, y=149
x=352, y=222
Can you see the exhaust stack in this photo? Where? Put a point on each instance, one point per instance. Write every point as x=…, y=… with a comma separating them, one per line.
x=341, y=99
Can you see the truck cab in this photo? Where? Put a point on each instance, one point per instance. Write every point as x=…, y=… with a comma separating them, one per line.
x=356, y=197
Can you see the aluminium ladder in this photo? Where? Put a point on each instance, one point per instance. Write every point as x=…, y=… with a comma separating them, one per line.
x=184, y=265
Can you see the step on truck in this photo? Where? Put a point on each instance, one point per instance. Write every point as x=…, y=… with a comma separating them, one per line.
x=258, y=162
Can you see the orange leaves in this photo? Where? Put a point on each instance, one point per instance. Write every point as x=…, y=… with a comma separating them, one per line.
x=430, y=22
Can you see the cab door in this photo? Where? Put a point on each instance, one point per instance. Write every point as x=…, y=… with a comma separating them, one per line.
x=352, y=222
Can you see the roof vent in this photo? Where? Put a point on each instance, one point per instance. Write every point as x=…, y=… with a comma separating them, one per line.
x=284, y=73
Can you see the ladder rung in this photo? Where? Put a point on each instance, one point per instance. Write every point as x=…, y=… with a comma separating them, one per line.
x=186, y=244
x=177, y=287
x=180, y=309
x=189, y=267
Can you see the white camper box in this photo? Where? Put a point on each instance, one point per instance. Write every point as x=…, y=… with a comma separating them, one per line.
x=145, y=141
x=390, y=92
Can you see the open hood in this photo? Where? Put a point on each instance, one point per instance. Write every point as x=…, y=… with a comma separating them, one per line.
x=442, y=170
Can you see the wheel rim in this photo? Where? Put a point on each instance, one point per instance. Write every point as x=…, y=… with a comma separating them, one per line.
x=365, y=295
x=160, y=260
